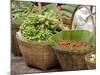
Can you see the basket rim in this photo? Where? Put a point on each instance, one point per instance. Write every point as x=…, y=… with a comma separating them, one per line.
x=21, y=38
x=73, y=52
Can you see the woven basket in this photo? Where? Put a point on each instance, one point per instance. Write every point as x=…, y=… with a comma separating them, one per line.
x=14, y=45
x=91, y=65
x=72, y=60
x=38, y=55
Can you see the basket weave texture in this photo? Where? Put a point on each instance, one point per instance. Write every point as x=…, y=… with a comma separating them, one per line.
x=38, y=55
x=91, y=65
x=71, y=60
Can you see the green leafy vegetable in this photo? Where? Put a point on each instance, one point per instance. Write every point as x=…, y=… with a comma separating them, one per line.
x=68, y=8
x=49, y=10
x=18, y=15
x=92, y=57
x=38, y=27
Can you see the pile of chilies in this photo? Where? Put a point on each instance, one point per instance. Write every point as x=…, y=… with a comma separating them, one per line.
x=72, y=44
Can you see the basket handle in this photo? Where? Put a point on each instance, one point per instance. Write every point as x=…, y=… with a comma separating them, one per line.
x=93, y=23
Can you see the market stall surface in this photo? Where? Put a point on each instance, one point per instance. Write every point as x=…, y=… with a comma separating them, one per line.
x=18, y=66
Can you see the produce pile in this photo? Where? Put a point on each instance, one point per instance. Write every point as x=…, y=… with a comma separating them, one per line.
x=49, y=10
x=72, y=44
x=18, y=14
x=20, y=10
x=72, y=40
x=37, y=27
x=66, y=10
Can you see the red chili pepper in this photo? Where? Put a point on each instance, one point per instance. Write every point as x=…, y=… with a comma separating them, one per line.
x=71, y=44
x=64, y=44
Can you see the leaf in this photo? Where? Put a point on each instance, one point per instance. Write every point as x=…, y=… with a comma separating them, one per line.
x=77, y=35
x=68, y=8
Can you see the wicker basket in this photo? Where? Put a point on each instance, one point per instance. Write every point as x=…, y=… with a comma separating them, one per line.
x=91, y=65
x=14, y=45
x=72, y=60
x=38, y=55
